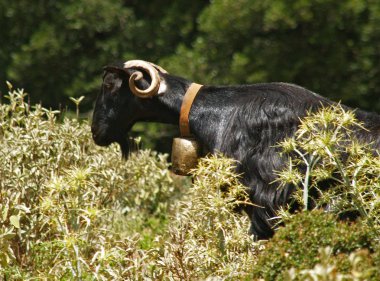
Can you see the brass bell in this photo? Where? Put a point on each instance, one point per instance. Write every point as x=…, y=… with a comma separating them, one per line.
x=185, y=154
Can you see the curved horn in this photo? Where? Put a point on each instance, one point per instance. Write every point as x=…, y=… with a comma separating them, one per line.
x=159, y=68
x=153, y=73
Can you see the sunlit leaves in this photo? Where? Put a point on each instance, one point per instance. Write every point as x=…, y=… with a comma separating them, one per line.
x=207, y=235
x=326, y=149
x=61, y=197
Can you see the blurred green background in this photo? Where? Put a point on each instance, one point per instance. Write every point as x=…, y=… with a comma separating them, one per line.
x=56, y=49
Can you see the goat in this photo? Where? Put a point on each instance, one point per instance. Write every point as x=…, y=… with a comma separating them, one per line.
x=243, y=122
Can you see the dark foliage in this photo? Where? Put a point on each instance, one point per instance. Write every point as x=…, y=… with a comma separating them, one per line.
x=298, y=244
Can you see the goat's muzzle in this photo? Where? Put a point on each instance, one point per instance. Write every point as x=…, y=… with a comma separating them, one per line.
x=99, y=138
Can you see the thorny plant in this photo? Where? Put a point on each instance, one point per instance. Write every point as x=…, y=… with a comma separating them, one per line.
x=325, y=150
x=207, y=238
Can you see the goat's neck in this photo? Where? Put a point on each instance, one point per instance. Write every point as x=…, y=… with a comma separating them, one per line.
x=171, y=93
x=206, y=120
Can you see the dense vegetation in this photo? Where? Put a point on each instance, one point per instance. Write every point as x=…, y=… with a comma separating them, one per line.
x=57, y=49
x=70, y=210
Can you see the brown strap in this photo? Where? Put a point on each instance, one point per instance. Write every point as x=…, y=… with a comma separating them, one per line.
x=187, y=102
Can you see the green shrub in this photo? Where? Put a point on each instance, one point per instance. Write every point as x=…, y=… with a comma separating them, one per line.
x=301, y=244
x=65, y=202
x=313, y=245
x=73, y=210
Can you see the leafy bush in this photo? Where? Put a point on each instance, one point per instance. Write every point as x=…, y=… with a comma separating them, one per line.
x=64, y=201
x=73, y=210
x=316, y=243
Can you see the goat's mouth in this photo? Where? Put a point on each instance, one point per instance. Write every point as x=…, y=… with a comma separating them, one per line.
x=101, y=137
x=126, y=144
x=100, y=140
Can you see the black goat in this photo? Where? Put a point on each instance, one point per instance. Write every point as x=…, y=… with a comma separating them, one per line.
x=243, y=122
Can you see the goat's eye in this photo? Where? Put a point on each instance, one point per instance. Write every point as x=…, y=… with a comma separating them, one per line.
x=107, y=86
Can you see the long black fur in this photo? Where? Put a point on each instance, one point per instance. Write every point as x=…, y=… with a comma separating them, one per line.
x=243, y=122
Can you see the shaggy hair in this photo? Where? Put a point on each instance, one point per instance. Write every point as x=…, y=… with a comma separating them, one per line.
x=246, y=123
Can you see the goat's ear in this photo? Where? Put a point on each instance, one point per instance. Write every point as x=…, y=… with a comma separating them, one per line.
x=114, y=69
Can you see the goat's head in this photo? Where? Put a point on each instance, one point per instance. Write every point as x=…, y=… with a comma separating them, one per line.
x=127, y=96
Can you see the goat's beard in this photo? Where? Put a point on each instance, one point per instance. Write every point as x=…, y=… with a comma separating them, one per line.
x=124, y=146
x=127, y=146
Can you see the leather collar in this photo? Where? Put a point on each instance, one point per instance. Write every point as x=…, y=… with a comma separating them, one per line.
x=187, y=102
